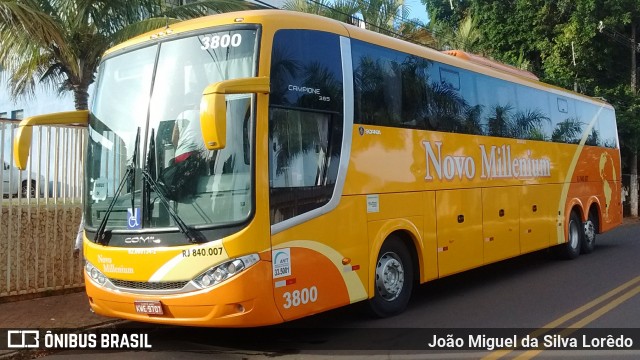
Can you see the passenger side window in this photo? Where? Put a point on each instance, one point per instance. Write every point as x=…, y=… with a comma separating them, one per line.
x=303, y=162
x=305, y=121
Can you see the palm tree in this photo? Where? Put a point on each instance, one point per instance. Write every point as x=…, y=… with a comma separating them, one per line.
x=60, y=43
x=380, y=15
x=465, y=37
x=417, y=32
x=527, y=124
x=377, y=15
x=319, y=7
x=567, y=131
x=499, y=121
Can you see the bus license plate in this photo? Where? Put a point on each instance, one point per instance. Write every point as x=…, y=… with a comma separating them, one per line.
x=148, y=307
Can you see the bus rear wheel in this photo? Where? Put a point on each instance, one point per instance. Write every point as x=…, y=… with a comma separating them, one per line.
x=571, y=249
x=393, y=279
x=590, y=231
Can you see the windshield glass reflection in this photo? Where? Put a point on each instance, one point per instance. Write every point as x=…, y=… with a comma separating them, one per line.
x=162, y=99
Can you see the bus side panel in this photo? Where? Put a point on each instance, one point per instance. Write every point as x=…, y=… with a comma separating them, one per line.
x=596, y=179
x=537, y=220
x=500, y=223
x=327, y=260
x=413, y=213
x=459, y=217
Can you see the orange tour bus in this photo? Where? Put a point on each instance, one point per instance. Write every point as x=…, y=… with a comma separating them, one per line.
x=251, y=168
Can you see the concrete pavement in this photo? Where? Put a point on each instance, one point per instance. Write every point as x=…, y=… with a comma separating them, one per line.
x=69, y=311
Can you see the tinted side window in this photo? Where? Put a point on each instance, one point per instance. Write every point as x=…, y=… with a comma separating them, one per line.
x=608, y=131
x=531, y=121
x=396, y=89
x=306, y=70
x=392, y=88
x=566, y=124
x=305, y=121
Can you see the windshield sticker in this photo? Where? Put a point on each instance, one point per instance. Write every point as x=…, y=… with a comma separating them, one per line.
x=133, y=218
x=99, y=192
x=281, y=263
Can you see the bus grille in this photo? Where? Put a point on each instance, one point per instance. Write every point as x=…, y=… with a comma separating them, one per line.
x=143, y=285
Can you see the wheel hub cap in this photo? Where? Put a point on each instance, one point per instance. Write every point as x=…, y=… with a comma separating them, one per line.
x=389, y=276
x=589, y=231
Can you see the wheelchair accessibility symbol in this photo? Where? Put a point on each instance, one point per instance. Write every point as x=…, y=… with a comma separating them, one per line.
x=133, y=218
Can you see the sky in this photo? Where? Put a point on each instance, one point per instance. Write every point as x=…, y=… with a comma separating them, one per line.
x=417, y=10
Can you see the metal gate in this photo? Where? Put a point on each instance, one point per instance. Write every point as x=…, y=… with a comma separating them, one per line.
x=40, y=211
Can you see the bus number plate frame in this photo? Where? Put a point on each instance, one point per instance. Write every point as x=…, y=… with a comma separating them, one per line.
x=148, y=307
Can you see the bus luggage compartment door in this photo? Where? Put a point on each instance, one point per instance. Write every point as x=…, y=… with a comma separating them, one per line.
x=459, y=223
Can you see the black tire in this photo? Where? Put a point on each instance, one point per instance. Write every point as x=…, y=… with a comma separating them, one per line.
x=589, y=233
x=394, y=279
x=28, y=190
x=575, y=234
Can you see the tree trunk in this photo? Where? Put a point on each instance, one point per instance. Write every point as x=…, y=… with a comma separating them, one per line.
x=633, y=184
x=81, y=98
x=633, y=58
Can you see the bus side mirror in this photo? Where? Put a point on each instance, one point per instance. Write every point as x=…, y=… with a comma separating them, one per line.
x=22, y=142
x=213, y=107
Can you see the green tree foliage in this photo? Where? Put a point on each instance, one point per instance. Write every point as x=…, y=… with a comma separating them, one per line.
x=466, y=36
x=59, y=43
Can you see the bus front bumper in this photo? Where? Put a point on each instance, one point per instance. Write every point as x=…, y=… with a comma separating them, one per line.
x=245, y=300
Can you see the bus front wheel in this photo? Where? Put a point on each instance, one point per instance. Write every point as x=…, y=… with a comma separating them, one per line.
x=393, y=279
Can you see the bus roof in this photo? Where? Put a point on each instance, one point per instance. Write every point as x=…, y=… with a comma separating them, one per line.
x=491, y=63
x=278, y=18
x=283, y=19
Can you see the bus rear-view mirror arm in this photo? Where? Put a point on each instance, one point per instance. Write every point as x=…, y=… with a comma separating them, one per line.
x=213, y=108
x=22, y=142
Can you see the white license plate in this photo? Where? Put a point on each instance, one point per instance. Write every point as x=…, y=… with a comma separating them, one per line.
x=148, y=307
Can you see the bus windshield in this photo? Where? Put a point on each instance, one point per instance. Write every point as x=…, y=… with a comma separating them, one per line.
x=154, y=93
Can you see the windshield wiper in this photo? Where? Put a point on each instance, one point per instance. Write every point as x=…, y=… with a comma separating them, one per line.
x=188, y=232
x=129, y=174
x=149, y=166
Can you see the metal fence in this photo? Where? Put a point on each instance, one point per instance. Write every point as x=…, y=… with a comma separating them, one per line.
x=40, y=211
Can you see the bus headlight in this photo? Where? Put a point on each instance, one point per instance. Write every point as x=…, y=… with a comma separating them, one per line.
x=224, y=271
x=95, y=274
